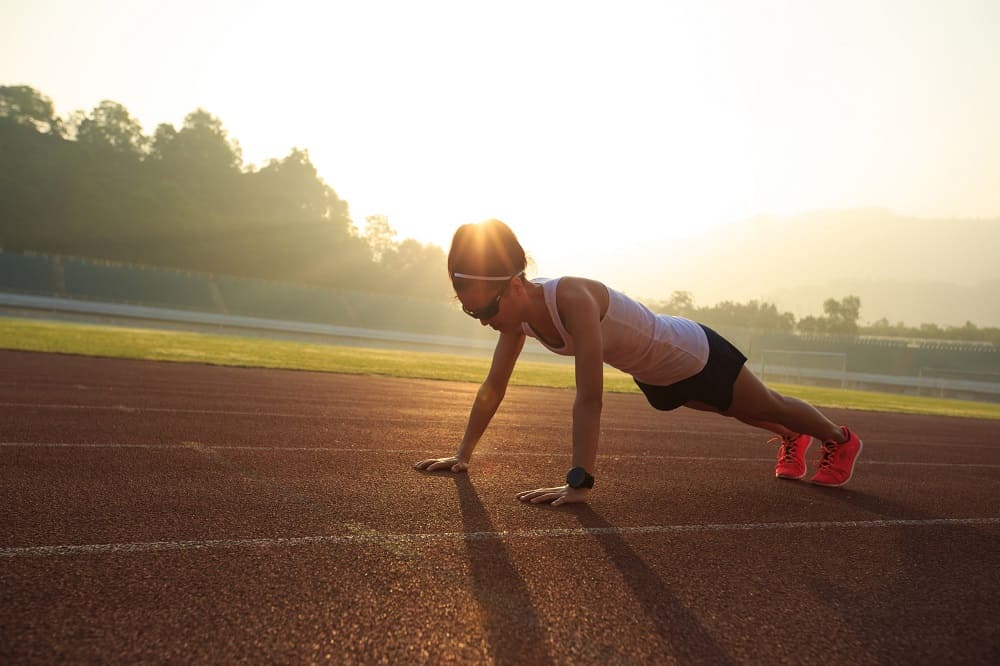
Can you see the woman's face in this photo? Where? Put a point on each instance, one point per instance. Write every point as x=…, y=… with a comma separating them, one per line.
x=492, y=304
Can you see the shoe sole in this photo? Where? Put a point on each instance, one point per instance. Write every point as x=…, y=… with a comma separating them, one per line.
x=805, y=471
x=861, y=445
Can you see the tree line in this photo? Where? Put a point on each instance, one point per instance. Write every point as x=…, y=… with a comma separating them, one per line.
x=840, y=317
x=93, y=184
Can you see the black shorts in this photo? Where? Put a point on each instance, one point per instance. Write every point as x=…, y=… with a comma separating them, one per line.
x=712, y=386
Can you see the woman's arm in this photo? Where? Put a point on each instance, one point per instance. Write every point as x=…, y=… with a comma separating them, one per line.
x=581, y=315
x=491, y=393
x=582, y=320
x=488, y=399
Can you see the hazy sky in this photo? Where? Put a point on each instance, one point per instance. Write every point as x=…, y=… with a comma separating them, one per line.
x=579, y=123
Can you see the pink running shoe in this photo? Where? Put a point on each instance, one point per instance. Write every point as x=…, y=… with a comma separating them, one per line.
x=792, y=456
x=836, y=465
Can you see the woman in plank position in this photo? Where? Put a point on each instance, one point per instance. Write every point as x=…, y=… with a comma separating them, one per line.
x=674, y=361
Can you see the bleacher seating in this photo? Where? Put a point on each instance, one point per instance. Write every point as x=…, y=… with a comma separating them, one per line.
x=123, y=283
x=890, y=357
x=27, y=273
x=394, y=312
x=957, y=359
x=276, y=300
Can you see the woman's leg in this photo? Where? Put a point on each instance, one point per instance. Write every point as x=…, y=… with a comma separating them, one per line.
x=752, y=400
x=754, y=403
x=776, y=428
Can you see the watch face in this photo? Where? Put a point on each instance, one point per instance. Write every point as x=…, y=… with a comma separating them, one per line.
x=576, y=477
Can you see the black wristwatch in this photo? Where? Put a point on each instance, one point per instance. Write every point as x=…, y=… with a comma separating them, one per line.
x=579, y=478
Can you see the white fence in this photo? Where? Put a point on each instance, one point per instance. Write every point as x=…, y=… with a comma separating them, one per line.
x=116, y=313
x=865, y=381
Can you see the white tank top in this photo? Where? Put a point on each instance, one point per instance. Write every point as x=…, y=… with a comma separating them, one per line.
x=655, y=349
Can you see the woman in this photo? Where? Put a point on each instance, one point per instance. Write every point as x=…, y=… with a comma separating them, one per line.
x=673, y=360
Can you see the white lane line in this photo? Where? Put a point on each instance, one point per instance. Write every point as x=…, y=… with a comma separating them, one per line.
x=375, y=538
x=423, y=452
x=369, y=419
x=605, y=428
x=131, y=409
x=171, y=410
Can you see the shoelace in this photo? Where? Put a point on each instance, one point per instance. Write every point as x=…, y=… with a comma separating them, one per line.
x=829, y=451
x=787, y=452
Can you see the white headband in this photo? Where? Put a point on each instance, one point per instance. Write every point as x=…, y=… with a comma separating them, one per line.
x=491, y=278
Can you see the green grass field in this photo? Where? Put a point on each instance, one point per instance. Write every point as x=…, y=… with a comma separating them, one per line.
x=157, y=345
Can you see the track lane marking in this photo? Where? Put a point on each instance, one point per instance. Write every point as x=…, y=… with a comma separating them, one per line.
x=366, y=537
x=341, y=417
x=666, y=430
x=204, y=448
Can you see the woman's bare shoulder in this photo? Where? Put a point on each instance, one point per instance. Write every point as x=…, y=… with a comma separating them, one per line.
x=573, y=291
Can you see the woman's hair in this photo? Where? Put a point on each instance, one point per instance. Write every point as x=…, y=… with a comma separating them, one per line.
x=487, y=248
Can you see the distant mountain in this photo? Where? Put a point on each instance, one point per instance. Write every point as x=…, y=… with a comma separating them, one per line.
x=905, y=269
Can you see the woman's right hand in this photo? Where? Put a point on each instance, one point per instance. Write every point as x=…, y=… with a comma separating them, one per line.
x=434, y=464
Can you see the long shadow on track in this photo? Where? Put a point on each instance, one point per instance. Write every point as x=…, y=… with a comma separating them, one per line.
x=674, y=623
x=499, y=589
x=506, y=603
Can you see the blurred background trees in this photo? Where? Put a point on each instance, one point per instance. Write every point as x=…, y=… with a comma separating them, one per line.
x=95, y=185
x=840, y=318
x=753, y=314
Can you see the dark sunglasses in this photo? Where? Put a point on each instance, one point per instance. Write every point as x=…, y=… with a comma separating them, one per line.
x=491, y=309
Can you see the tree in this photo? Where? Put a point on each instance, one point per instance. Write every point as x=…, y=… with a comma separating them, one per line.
x=182, y=199
x=27, y=107
x=110, y=126
x=812, y=324
x=414, y=269
x=380, y=235
x=681, y=303
x=753, y=314
x=197, y=170
x=290, y=190
x=205, y=140
x=201, y=147
x=842, y=316
x=163, y=139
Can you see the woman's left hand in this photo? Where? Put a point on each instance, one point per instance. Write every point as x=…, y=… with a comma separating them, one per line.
x=558, y=496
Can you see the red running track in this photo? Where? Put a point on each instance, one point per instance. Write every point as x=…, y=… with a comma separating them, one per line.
x=177, y=512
